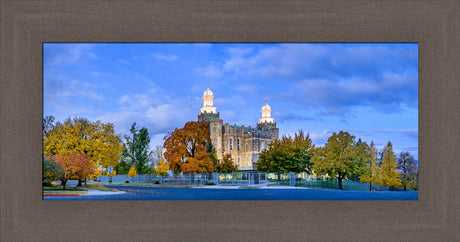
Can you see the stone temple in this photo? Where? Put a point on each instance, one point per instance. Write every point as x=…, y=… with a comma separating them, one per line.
x=243, y=143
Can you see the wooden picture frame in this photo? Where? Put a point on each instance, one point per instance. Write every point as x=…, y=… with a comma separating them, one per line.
x=26, y=25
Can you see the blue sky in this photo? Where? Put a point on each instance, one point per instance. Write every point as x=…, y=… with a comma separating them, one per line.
x=369, y=90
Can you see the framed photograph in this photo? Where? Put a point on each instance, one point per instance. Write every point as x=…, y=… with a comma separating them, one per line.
x=207, y=121
x=427, y=29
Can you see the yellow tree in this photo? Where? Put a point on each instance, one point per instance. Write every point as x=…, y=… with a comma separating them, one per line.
x=162, y=167
x=96, y=140
x=132, y=171
x=389, y=175
x=108, y=145
x=372, y=175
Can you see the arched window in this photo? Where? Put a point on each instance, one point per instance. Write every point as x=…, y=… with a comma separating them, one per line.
x=238, y=144
x=231, y=144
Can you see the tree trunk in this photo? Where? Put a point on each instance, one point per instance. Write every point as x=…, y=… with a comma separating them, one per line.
x=340, y=183
x=404, y=187
x=79, y=183
x=63, y=182
x=279, y=176
x=370, y=187
x=85, y=181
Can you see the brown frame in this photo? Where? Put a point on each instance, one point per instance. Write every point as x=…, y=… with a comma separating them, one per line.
x=26, y=24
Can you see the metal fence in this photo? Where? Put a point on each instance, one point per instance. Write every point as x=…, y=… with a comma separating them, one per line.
x=249, y=178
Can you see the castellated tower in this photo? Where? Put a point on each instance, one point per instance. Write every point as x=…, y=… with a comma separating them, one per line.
x=208, y=113
x=243, y=143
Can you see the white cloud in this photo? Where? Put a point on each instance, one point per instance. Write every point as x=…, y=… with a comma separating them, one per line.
x=76, y=89
x=210, y=71
x=247, y=89
x=68, y=53
x=135, y=102
x=237, y=51
x=123, y=61
x=388, y=94
x=159, y=56
x=320, y=138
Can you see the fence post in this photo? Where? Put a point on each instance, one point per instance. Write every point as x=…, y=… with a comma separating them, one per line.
x=291, y=179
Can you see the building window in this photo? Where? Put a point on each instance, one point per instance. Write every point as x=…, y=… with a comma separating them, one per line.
x=219, y=144
x=231, y=144
x=247, y=147
x=238, y=161
x=238, y=144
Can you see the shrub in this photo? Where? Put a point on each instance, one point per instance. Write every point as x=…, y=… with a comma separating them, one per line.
x=209, y=183
x=157, y=182
x=126, y=181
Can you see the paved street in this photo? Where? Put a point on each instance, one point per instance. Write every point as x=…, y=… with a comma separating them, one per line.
x=165, y=193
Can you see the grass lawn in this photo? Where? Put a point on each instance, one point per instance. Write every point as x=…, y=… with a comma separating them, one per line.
x=73, y=190
x=141, y=184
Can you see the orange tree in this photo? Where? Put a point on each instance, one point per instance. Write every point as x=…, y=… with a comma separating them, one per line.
x=73, y=164
x=186, y=148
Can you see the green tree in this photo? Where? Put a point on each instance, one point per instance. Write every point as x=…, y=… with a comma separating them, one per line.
x=290, y=154
x=406, y=164
x=211, y=150
x=339, y=158
x=51, y=171
x=122, y=167
x=389, y=176
x=137, y=148
x=227, y=165
x=372, y=172
x=362, y=157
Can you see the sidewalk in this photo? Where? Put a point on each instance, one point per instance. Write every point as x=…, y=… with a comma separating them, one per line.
x=97, y=192
x=249, y=187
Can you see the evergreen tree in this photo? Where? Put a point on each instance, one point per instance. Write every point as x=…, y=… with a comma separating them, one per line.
x=137, y=148
x=371, y=175
x=389, y=175
x=211, y=150
x=227, y=165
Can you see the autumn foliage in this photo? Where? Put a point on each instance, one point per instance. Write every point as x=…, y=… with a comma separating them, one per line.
x=112, y=174
x=95, y=139
x=186, y=148
x=81, y=146
x=74, y=165
x=389, y=176
x=162, y=167
x=132, y=171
